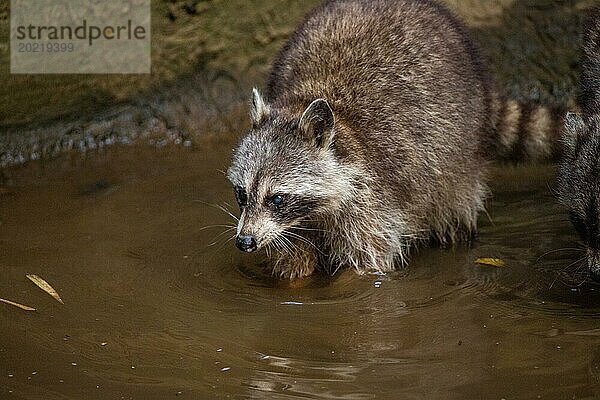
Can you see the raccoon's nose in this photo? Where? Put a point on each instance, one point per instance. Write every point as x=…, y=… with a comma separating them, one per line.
x=246, y=243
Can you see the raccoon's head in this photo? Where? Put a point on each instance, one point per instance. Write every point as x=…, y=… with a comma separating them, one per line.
x=284, y=172
x=579, y=182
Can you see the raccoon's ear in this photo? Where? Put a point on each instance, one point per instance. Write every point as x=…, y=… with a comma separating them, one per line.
x=574, y=126
x=258, y=108
x=317, y=123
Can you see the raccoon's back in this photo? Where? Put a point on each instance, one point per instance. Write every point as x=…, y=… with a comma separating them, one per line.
x=406, y=66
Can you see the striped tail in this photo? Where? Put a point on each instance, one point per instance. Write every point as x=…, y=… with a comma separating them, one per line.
x=528, y=132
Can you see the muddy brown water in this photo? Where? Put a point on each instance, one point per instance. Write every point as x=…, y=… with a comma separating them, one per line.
x=153, y=311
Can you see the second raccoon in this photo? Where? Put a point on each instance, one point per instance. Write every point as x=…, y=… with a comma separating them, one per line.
x=579, y=172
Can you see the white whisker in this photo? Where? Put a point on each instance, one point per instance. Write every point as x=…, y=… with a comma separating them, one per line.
x=216, y=238
x=216, y=226
x=219, y=207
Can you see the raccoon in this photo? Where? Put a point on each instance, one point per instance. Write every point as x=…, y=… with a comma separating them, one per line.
x=374, y=134
x=579, y=171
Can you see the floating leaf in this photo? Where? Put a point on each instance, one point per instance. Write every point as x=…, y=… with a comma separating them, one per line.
x=42, y=284
x=21, y=306
x=494, y=262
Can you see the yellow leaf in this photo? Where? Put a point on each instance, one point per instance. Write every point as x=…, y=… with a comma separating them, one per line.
x=494, y=262
x=42, y=284
x=21, y=306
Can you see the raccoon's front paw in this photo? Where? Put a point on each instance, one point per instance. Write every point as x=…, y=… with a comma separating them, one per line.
x=293, y=267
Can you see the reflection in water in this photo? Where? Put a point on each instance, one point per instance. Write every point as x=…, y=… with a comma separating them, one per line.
x=305, y=378
x=153, y=309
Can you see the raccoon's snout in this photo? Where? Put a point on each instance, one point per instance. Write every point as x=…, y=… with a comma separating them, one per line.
x=246, y=243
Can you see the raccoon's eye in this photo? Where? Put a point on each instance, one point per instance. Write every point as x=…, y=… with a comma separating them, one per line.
x=579, y=224
x=241, y=196
x=276, y=200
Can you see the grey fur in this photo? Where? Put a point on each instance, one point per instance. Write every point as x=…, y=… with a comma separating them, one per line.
x=579, y=171
x=381, y=121
x=590, y=79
